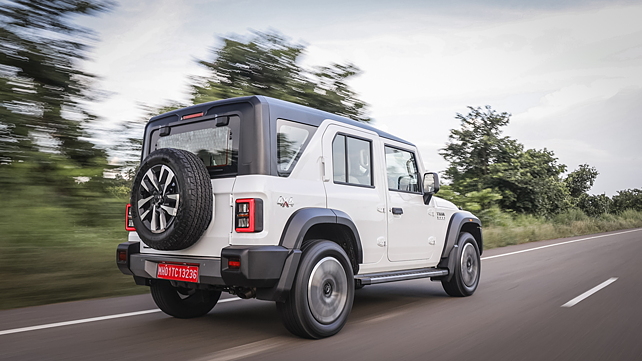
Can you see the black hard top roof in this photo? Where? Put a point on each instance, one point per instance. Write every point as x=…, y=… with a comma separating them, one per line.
x=278, y=109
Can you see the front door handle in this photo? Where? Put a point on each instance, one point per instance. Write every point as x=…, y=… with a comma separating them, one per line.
x=397, y=210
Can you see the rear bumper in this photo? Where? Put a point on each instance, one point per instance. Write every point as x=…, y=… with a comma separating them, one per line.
x=260, y=266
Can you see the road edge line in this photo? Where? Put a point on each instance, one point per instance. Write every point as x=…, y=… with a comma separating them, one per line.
x=87, y=320
x=561, y=243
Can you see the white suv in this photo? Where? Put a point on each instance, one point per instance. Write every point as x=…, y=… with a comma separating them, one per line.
x=267, y=199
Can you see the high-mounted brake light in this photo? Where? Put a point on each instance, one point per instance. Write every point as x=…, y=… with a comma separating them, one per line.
x=249, y=215
x=129, y=222
x=190, y=116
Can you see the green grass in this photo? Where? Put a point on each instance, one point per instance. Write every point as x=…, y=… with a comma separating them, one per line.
x=48, y=255
x=522, y=229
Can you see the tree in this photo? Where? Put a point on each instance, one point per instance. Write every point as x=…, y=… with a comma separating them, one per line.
x=627, y=199
x=594, y=205
x=45, y=150
x=267, y=64
x=472, y=149
x=527, y=181
x=581, y=180
x=42, y=90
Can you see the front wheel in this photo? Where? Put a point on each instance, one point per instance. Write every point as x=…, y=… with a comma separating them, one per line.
x=467, y=268
x=323, y=292
x=183, y=302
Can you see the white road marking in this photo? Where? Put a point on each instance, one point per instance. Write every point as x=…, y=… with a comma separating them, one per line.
x=87, y=320
x=246, y=350
x=588, y=293
x=559, y=244
x=121, y=315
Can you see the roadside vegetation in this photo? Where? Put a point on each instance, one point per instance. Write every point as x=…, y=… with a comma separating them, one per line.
x=525, y=195
x=63, y=203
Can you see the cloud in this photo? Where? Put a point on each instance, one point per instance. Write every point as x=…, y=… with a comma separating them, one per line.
x=570, y=72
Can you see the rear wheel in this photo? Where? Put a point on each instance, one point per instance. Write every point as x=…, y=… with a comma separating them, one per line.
x=467, y=267
x=321, y=298
x=183, y=302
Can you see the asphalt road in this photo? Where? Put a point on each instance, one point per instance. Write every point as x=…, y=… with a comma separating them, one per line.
x=517, y=313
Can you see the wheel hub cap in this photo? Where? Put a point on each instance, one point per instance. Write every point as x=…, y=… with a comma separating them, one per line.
x=327, y=290
x=469, y=265
x=158, y=198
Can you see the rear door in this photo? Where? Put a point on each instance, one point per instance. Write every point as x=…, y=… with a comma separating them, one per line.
x=407, y=214
x=354, y=187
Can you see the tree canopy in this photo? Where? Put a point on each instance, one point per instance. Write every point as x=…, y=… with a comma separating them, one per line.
x=527, y=181
x=266, y=63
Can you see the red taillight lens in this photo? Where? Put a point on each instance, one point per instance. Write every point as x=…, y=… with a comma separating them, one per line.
x=233, y=263
x=129, y=223
x=122, y=255
x=249, y=215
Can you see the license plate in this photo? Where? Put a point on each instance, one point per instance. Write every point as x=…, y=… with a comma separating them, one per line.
x=177, y=272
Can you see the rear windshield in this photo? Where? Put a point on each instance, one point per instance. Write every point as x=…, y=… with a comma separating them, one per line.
x=216, y=146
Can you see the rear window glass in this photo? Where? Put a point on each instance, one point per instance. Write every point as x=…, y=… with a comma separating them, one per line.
x=291, y=140
x=216, y=146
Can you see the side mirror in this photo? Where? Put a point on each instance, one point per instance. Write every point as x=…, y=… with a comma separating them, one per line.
x=431, y=186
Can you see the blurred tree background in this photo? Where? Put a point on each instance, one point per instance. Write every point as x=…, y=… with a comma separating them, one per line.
x=58, y=215
x=494, y=176
x=62, y=211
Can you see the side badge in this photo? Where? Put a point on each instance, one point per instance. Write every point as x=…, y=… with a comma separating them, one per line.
x=441, y=215
x=285, y=203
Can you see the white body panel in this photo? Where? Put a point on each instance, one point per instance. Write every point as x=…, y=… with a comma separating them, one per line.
x=390, y=242
x=366, y=206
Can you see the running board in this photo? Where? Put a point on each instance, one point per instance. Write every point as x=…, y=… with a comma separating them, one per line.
x=374, y=278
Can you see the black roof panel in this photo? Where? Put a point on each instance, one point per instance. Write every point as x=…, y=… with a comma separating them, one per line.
x=280, y=109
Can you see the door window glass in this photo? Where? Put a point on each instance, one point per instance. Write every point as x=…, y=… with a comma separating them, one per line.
x=401, y=169
x=351, y=160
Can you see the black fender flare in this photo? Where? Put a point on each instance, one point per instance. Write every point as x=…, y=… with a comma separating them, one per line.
x=292, y=237
x=459, y=221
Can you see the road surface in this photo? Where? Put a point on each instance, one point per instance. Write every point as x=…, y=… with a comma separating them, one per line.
x=569, y=299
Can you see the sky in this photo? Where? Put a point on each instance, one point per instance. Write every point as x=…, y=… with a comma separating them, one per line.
x=569, y=72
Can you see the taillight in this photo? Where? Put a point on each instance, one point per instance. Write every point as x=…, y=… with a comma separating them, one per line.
x=129, y=223
x=249, y=215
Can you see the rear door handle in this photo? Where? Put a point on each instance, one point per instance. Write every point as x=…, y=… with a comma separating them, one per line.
x=397, y=210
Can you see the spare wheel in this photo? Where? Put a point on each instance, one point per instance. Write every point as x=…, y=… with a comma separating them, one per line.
x=171, y=199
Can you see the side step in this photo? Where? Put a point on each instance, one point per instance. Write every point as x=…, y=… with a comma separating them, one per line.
x=411, y=274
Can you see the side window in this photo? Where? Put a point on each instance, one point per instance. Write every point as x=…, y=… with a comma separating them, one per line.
x=351, y=160
x=291, y=140
x=401, y=168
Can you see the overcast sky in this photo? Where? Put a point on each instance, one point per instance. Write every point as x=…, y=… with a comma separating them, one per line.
x=569, y=72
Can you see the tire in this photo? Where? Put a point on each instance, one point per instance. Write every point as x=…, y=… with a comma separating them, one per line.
x=183, y=302
x=171, y=199
x=321, y=297
x=467, y=270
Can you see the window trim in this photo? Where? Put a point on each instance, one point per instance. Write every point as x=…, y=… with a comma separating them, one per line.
x=414, y=156
x=345, y=143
